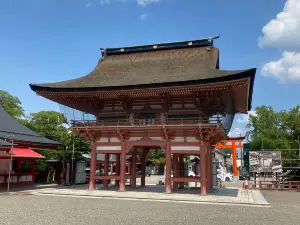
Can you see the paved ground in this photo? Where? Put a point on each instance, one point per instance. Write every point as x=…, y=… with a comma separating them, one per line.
x=233, y=194
x=33, y=210
x=157, y=193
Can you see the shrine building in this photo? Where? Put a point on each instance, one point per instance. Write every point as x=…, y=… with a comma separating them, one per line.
x=170, y=96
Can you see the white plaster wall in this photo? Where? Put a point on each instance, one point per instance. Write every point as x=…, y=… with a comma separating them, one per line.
x=114, y=139
x=191, y=139
x=178, y=139
x=103, y=140
x=157, y=138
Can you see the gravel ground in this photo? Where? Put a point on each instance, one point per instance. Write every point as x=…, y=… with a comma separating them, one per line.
x=32, y=210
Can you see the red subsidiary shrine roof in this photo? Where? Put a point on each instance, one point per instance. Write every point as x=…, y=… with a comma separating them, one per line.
x=26, y=153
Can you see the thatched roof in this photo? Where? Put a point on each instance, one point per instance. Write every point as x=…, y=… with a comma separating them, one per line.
x=151, y=65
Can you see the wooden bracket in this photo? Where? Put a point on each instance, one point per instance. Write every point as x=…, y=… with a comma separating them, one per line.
x=166, y=101
x=165, y=133
x=122, y=135
x=90, y=136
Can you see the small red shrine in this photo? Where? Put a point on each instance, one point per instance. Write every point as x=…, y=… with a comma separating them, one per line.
x=170, y=96
x=16, y=151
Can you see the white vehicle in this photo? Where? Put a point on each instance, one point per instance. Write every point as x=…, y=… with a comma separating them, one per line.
x=191, y=172
x=228, y=177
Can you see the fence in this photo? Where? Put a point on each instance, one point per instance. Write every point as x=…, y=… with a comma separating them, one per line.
x=273, y=185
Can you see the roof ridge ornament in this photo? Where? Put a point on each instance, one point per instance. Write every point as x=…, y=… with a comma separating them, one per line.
x=103, y=52
x=161, y=46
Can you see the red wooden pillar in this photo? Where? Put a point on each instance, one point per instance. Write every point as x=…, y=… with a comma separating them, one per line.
x=175, y=170
x=211, y=167
x=234, y=163
x=93, y=166
x=143, y=169
x=123, y=167
x=208, y=166
x=117, y=182
x=133, y=168
x=106, y=168
x=203, y=159
x=33, y=165
x=168, y=168
x=181, y=170
x=18, y=166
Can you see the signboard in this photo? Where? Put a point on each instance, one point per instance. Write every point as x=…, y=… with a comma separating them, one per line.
x=262, y=161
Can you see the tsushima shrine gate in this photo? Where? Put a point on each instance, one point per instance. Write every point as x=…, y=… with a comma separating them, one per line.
x=233, y=144
x=169, y=96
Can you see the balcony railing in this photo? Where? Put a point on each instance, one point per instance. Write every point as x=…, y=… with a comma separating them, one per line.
x=147, y=122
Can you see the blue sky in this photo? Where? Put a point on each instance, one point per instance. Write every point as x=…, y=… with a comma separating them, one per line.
x=49, y=41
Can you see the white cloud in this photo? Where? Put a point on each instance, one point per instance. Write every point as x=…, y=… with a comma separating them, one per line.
x=285, y=29
x=143, y=16
x=104, y=2
x=244, y=118
x=88, y=5
x=237, y=132
x=146, y=2
x=285, y=69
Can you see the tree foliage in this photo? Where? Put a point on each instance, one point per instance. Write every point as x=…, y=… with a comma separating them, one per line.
x=11, y=104
x=54, y=125
x=156, y=157
x=276, y=130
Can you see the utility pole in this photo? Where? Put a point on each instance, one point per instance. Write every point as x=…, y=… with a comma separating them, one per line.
x=299, y=146
x=72, y=162
x=10, y=164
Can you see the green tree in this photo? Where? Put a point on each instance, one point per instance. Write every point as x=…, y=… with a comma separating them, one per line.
x=54, y=125
x=11, y=104
x=156, y=157
x=276, y=130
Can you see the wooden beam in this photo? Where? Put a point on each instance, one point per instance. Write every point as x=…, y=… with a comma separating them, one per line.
x=186, y=179
x=184, y=152
x=111, y=177
x=108, y=151
x=227, y=146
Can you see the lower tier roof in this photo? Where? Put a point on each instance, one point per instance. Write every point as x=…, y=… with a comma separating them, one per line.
x=12, y=129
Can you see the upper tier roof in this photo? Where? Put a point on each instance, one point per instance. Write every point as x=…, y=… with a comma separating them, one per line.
x=12, y=129
x=166, y=64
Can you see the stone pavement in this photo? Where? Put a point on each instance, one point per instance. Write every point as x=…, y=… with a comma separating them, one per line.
x=156, y=193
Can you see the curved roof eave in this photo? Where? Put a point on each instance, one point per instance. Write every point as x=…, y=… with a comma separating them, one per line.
x=233, y=75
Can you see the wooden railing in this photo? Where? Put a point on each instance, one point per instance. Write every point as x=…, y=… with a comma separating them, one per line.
x=274, y=185
x=147, y=122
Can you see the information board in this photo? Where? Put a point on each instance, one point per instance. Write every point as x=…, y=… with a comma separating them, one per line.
x=265, y=161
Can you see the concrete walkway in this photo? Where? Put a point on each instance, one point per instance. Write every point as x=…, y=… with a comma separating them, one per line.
x=156, y=193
